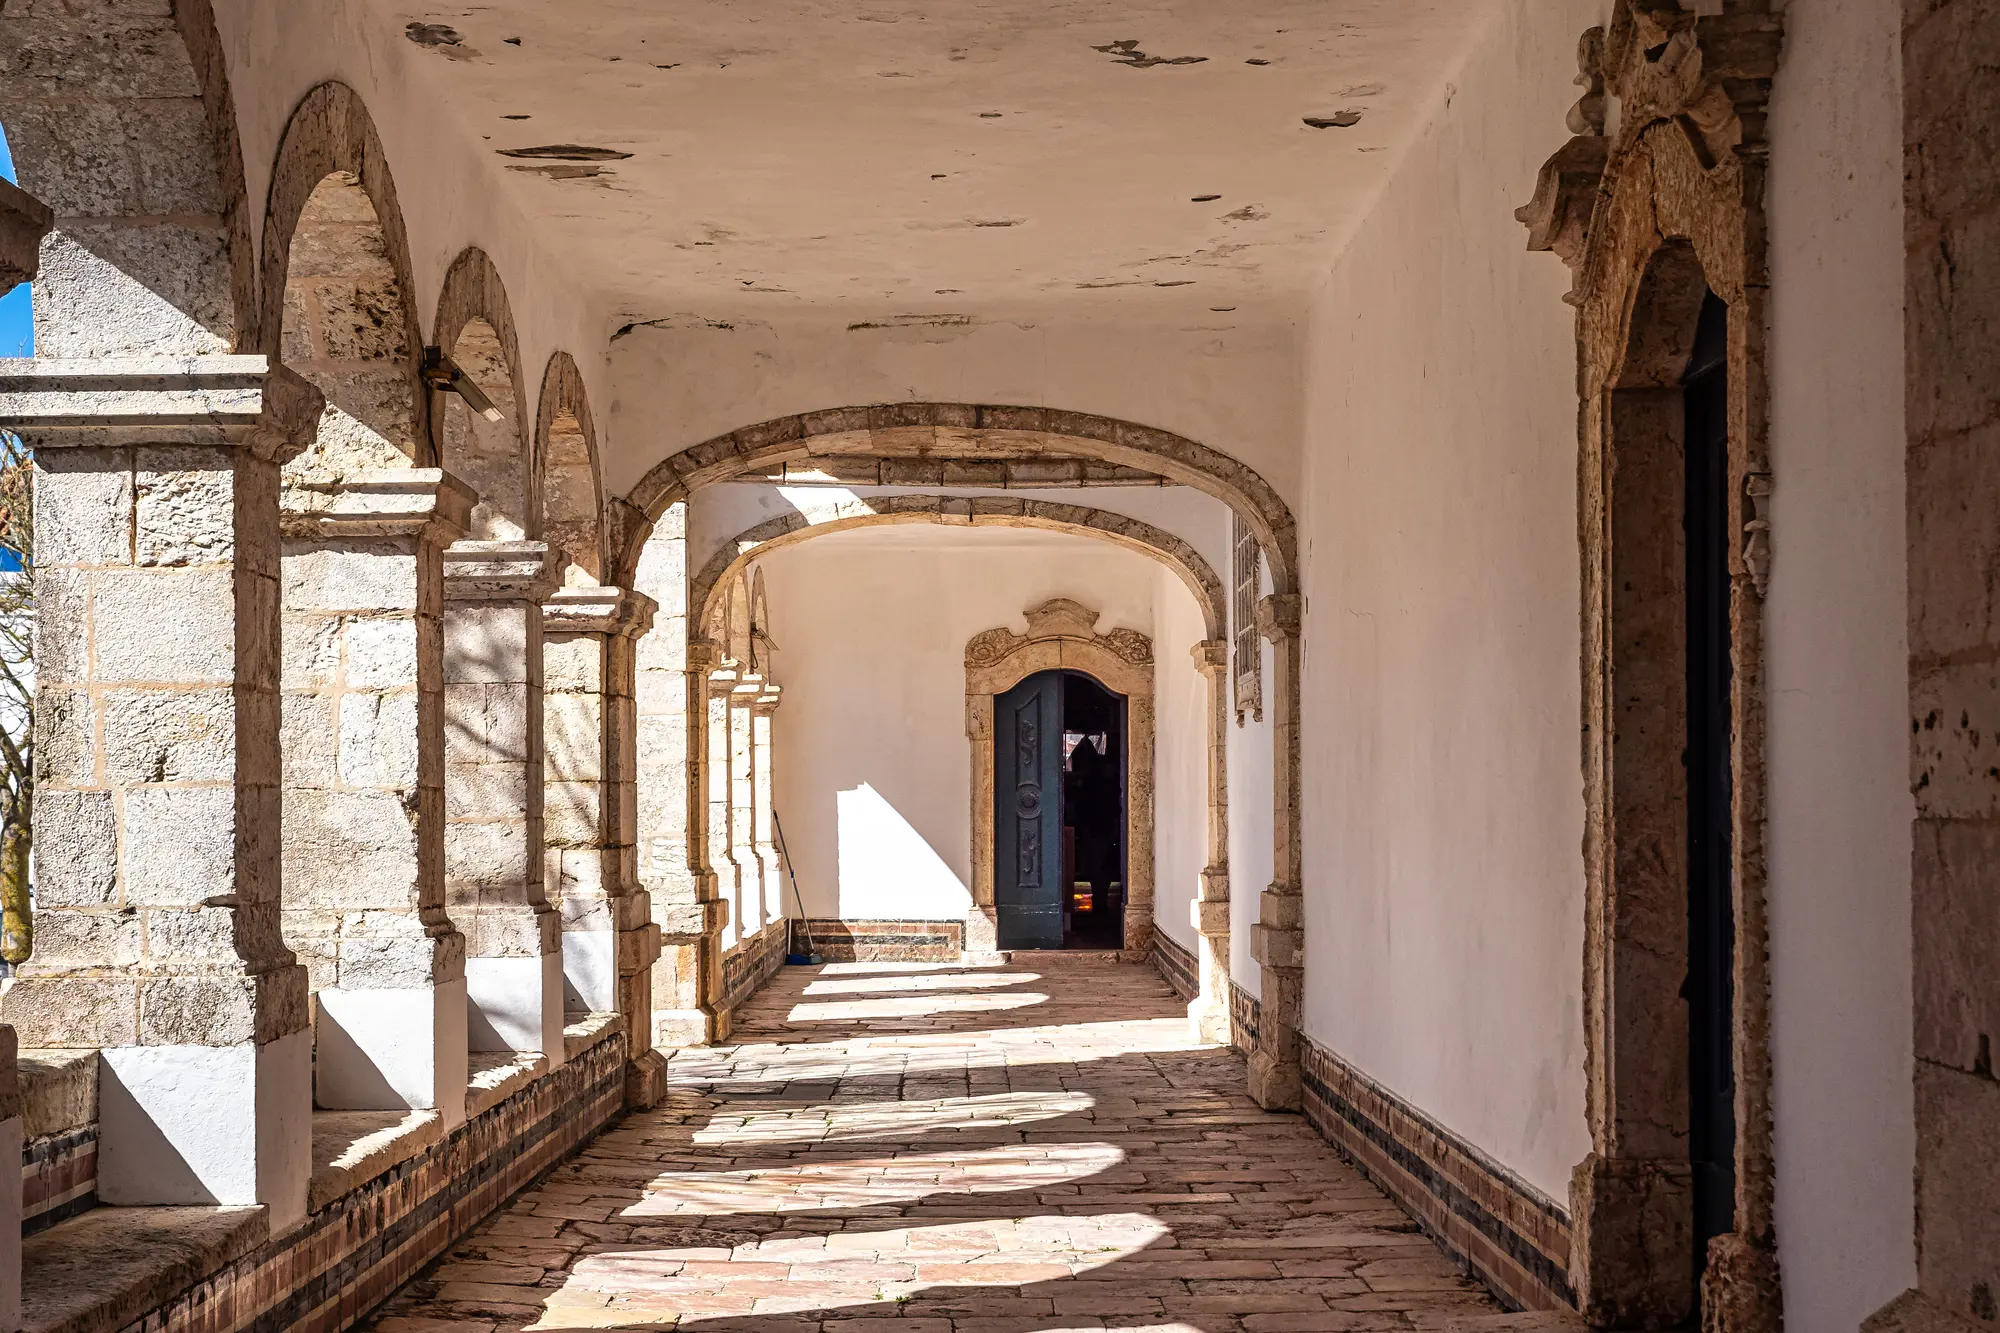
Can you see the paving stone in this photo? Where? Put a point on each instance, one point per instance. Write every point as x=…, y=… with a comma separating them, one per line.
x=879, y=1152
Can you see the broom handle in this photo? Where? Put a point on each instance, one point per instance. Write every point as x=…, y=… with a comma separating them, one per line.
x=793, y=876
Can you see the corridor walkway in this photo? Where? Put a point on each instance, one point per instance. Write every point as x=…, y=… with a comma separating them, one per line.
x=913, y=1148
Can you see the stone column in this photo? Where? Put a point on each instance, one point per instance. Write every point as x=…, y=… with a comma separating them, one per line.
x=771, y=869
x=1208, y=1013
x=156, y=732
x=721, y=786
x=672, y=800
x=493, y=793
x=609, y=942
x=743, y=806
x=1278, y=941
x=363, y=742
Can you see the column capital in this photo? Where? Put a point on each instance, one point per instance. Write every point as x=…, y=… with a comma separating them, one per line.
x=24, y=220
x=501, y=571
x=1210, y=656
x=218, y=401
x=1278, y=615
x=703, y=655
x=597, y=610
x=381, y=502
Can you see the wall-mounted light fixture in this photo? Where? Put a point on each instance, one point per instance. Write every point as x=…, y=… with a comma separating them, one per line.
x=441, y=372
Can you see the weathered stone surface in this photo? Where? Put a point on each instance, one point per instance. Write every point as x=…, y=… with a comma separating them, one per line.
x=24, y=220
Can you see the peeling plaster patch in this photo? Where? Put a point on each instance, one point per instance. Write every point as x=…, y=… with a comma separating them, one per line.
x=1205, y=198
x=566, y=152
x=1120, y=282
x=517, y=117
x=1339, y=120
x=432, y=34
x=1000, y=222
x=1127, y=53
x=511, y=41
x=989, y=115
x=673, y=322
x=1247, y=213
x=1178, y=282
x=1365, y=90
x=914, y=322
x=558, y=172
x=1257, y=61
x=675, y=65
x=1222, y=309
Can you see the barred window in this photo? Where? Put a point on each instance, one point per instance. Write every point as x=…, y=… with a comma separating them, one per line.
x=1249, y=665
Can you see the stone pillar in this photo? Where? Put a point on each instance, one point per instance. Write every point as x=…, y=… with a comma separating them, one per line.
x=156, y=733
x=771, y=870
x=722, y=682
x=672, y=800
x=609, y=941
x=1278, y=942
x=1208, y=1012
x=363, y=751
x=743, y=806
x=493, y=793
x=11, y=1130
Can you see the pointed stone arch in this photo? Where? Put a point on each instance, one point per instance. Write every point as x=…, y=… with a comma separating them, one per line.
x=572, y=487
x=337, y=294
x=122, y=123
x=475, y=327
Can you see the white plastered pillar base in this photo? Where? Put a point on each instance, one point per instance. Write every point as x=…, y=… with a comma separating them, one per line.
x=227, y=1125
x=381, y=1050
x=590, y=970
x=515, y=1004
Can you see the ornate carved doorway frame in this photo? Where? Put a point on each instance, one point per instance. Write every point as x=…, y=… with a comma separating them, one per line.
x=1656, y=202
x=1062, y=635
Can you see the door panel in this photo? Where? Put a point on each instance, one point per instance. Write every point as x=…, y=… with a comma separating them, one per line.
x=1027, y=818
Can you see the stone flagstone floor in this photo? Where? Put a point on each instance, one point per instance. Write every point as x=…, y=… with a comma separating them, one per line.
x=927, y=1148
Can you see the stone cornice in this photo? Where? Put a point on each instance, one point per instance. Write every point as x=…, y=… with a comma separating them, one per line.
x=389, y=502
x=24, y=220
x=500, y=571
x=229, y=401
x=591, y=609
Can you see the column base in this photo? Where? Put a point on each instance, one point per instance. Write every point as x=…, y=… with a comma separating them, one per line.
x=376, y=1052
x=1274, y=1084
x=1208, y=1021
x=676, y=1029
x=645, y=1081
x=515, y=1004
x=227, y=1125
x=590, y=971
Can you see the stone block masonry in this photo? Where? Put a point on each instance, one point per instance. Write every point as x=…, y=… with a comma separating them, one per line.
x=846, y=940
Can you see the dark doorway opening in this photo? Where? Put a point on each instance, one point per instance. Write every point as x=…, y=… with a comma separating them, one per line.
x=1710, y=716
x=1059, y=817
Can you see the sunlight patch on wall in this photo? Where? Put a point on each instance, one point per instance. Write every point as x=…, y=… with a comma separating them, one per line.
x=888, y=871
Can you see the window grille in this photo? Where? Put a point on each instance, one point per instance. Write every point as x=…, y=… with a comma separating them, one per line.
x=1249, y=664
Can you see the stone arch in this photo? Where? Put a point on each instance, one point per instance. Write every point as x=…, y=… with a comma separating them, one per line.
x=572, y=487
x=1651, y=217
x=338, y=301
x=475, y=328
x=875, y=511
x=956, y=431
x=721, y=583
x=124, y=126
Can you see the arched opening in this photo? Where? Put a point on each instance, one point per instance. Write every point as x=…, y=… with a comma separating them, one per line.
x=346, y=328
x=483, y=452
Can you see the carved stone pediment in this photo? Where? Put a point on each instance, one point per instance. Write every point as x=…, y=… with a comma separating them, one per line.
x=1708, y=76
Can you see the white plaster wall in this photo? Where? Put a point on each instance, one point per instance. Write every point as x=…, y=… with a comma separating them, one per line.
x=1837, y=658
x=1180, y=758
x=1442, y=793
x=873, y=767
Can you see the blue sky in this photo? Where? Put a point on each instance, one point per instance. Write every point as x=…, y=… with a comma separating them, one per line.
x=17, y=325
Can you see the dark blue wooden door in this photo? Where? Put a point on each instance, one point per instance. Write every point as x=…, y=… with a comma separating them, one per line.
x=1027, y=816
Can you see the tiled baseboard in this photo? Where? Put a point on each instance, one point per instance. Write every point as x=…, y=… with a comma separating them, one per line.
x=1179, y=966
x=1497, y=1227
x=354, y=1253
x=850, y=940
x=751, y=964
x=1245, y=1011
x=58, y=1177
